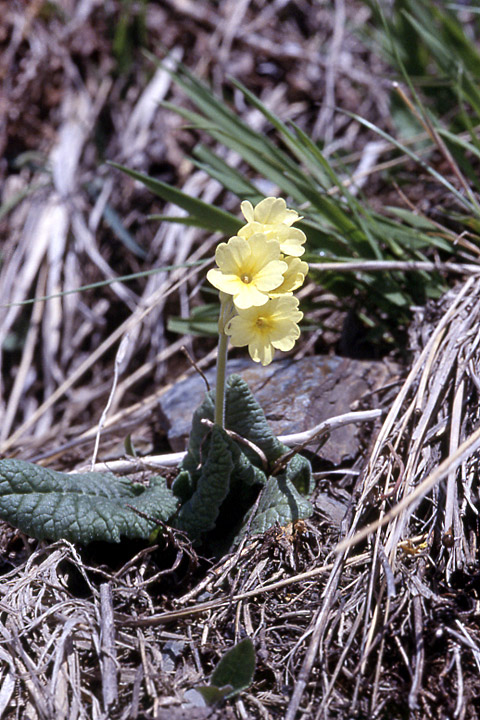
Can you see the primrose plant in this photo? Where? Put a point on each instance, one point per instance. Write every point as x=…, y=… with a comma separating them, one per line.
x=258, y=271
x=236, y=475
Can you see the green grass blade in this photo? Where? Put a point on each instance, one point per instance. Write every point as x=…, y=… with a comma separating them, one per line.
x=212, y=217
x=292, y=141
x=404, y=149
x=229, y=177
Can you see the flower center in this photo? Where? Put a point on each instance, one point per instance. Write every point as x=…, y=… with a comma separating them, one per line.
x=245, y=278
x=260, y=322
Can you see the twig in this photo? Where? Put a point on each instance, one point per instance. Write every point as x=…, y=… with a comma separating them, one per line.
x=109, y=659
x=25, y=363
x=302, y=439
x=465, y=639
x=215, y=575
x=451, y=500
x=461, y=305
x=137, y=317
x=324, y=125
x=173, y=459
x=378, y=669
x=338, y=667
x=173, y=615
x=459, y=706
x=319, y=625
x=438, y=141
x=419, y=653
x=426, y=372
x=195, y=365
x=397, y=265
x=126, y=414
x=389, y=577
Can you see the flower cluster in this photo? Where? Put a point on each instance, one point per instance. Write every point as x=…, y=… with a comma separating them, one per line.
x=259, y=269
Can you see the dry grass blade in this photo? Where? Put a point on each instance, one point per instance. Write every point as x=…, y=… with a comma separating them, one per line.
x=435, y=410
x=458, y=336
x=128, y=325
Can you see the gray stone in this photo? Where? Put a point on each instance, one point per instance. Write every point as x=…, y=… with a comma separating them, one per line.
x=295, y=395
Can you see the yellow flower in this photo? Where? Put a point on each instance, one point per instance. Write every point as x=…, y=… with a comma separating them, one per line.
x=248, y=269
x=293, y=277
x=267, y=328
x=270, y=211
x=272, y=217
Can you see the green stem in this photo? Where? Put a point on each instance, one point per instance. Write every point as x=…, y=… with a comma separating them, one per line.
x=227, y=311
x=221, y=375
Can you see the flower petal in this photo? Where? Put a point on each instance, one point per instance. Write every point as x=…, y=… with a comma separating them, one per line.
x=271, y=276
x=293, y=277
x=240, y=330
x=230, y=284
x=268, y=208
x=291, y=239
x=261, y=352
x=248, y=269
x=247, y=210
x=273, y=325
x=249, y=297
x=231, y=256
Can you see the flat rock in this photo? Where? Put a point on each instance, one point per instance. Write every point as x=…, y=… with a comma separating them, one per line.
x=295, y=395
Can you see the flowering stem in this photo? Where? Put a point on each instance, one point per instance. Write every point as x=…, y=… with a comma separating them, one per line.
x=221, y=375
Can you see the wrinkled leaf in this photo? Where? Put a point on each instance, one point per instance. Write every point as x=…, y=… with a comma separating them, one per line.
x=199, y=514
x=280, y=504
x=299, y=473
x=83, y=507
x=244, y=416
x=220, y=503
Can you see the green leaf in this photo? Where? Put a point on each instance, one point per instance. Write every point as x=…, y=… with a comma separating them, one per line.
x=280, y=504
x=129, y=446
x=218, y=495
x=183, y=486
x=256, y=149
x=234, y=671
x=82, y=507
x=244, y=416
x=213, y=695
x=306, y=153
x=442, y=180
x=198, y=515
x=417, y=221
x=299, y=473
x=229, y=177
x=339, y=223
